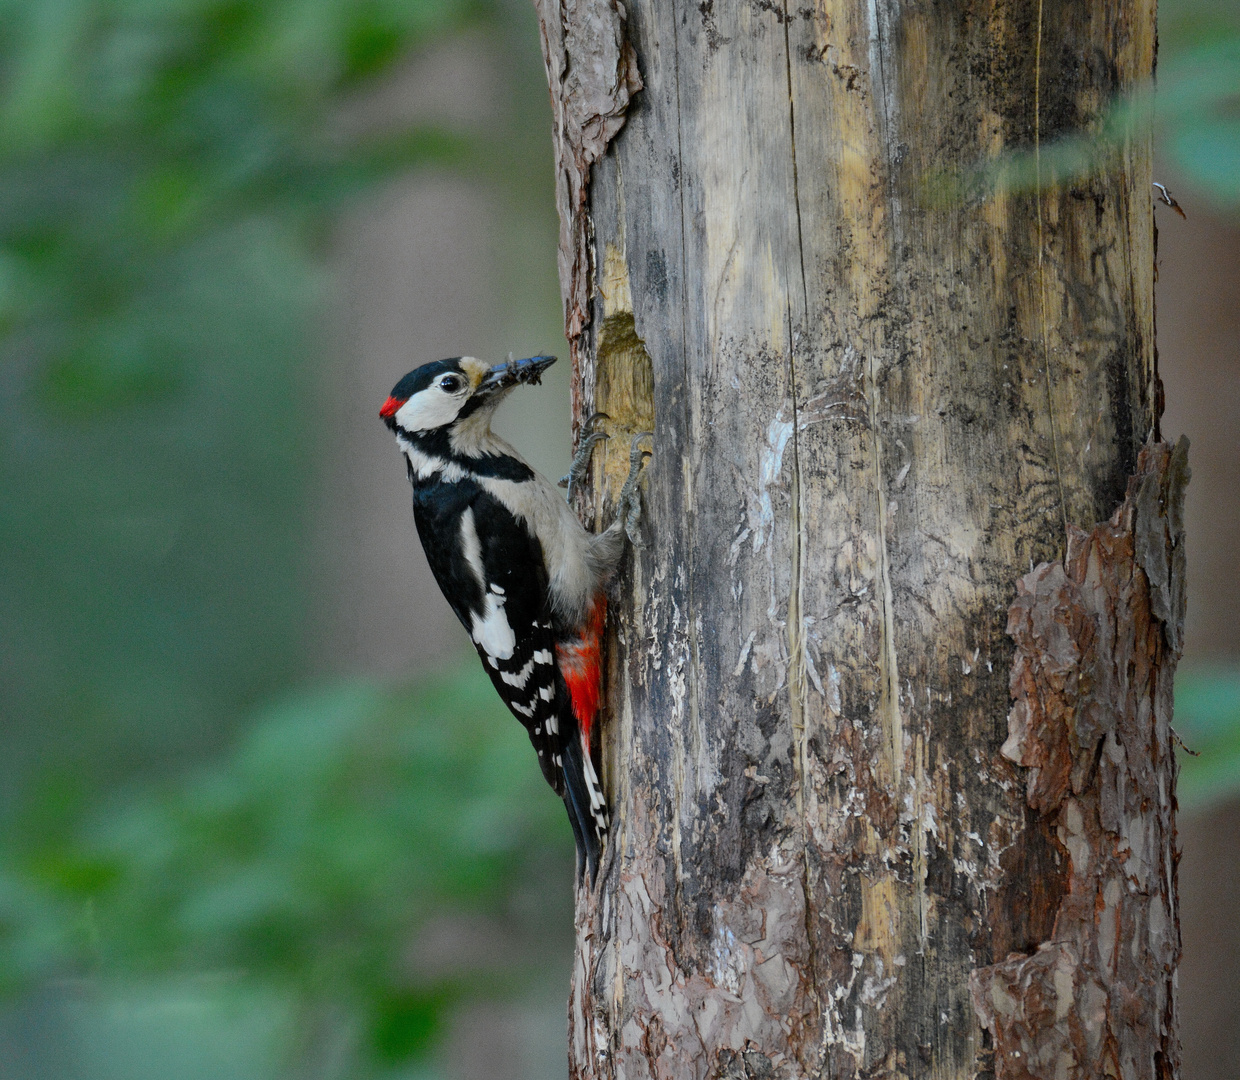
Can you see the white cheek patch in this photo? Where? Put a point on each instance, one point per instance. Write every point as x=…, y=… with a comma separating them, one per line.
x=428, y=409
x=490, y=629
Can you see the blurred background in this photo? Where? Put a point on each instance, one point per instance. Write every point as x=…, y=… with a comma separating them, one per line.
x=260, y=815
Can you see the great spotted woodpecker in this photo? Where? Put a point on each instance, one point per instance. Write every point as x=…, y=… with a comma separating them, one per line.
x=526, y=580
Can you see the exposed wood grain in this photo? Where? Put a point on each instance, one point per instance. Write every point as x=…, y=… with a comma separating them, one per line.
x=874, y=413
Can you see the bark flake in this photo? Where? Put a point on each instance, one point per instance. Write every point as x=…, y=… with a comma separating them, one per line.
x=1097, y=639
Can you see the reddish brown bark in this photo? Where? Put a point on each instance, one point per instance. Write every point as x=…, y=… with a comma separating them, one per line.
x=1097, y=641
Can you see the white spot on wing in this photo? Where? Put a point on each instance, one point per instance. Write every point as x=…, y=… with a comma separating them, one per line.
x=542, y=656
x=519, y=678
x=597, y=803
x=553, y=725
x=546, y=692
x=471, y=546
x=490, y=630
x=493, y=633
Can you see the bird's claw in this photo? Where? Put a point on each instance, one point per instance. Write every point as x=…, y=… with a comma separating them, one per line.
x=630, y=494
x=581, y=459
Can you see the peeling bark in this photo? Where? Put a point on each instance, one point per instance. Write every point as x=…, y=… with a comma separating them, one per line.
x=592, y=73
x=873, y=414
x=1097, y=641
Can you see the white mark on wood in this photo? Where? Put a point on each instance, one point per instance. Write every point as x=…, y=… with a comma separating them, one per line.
x=812, y=671
x=770, y=466
x=833, y=689
x=740, y=663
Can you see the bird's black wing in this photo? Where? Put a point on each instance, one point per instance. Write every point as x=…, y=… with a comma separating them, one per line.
x=530, y=681
x=492, y=573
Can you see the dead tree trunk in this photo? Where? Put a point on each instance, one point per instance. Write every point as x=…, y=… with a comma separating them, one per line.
x=888, y=729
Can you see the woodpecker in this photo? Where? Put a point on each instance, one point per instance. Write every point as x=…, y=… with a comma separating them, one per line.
x=524, y=577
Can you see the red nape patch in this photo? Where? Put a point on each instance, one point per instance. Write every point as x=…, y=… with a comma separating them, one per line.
x=390, y=406
x=581, y=665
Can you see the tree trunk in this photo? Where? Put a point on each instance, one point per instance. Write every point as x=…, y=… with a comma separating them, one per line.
x=887, y=736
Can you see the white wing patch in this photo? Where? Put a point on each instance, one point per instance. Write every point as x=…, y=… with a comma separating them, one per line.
x=520, y=678
x=491, y=630
x=542, y=656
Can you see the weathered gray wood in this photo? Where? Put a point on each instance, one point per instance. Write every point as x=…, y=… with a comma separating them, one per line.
x=875, y=411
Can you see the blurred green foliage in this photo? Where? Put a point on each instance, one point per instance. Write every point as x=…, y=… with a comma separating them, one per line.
x=169, y=170
x=1193, y=113
x=134, y=133
x=313, y=858
x=1197, y=110
x=1207, y=718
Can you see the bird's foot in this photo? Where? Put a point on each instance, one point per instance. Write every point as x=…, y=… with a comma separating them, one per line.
x=581, y=460
x=630, y=502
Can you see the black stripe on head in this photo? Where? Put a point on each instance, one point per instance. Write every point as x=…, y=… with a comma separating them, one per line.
x=478, y=401
x=420, y=378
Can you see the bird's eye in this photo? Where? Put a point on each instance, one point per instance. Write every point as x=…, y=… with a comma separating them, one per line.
x=450, y=384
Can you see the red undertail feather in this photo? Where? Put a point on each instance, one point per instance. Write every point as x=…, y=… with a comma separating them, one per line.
x=581, y=665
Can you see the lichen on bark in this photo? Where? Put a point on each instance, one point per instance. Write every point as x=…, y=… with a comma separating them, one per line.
x=1097, y=639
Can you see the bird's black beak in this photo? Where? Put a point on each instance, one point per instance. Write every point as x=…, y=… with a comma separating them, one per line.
x=514, y=372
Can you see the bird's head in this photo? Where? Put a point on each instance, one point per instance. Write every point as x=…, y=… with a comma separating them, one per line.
x=445, y=392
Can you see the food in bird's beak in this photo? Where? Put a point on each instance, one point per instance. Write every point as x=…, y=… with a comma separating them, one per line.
x=513, y=372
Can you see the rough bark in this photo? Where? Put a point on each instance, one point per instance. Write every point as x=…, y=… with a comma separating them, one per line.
x=1097, y=638
x=592, y=73
x=875, y=412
